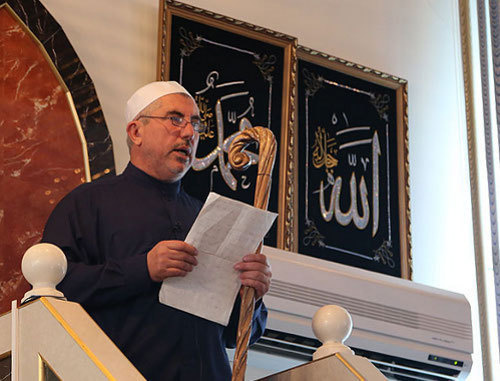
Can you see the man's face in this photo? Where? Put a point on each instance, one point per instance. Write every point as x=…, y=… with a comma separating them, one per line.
x=165, y=151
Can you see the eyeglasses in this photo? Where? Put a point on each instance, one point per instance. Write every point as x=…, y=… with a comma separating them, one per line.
x=179, y=121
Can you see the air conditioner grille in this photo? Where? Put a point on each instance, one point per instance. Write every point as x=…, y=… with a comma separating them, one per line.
x=370, y=310
x=394, y=368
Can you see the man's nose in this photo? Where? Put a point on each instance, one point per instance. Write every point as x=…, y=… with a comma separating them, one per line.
x=188, y=131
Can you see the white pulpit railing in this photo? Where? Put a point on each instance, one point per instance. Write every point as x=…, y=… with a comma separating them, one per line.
x=49, y=335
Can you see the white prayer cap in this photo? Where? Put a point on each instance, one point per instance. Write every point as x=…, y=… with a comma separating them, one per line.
x=148, y=94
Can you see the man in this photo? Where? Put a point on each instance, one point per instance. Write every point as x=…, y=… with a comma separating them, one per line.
x=124, y=235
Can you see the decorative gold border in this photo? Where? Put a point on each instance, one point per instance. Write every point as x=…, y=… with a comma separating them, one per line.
x=5, y=355
x=465, y=37
x=77, y=339
x=350, y=367
x=41, y=363
x=69, y=97
x=401, y=87
x=287, y=230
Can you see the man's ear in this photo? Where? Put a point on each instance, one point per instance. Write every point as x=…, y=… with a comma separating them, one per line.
x=134, y=132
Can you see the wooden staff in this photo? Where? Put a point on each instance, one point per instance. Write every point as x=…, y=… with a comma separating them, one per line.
x=240, y=161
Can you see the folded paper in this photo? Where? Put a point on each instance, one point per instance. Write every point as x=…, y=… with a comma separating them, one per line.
x=224, y=232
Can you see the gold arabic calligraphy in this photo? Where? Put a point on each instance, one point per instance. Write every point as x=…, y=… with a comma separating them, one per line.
x=206, y=116
x=324, y=149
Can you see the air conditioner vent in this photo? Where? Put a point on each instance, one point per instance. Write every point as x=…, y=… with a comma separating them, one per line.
x=376, y=311
x=394, y=368
x=284, y=344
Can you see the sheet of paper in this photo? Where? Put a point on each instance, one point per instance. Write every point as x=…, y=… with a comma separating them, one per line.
x=224, y=232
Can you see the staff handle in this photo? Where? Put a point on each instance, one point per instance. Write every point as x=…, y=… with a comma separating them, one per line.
x=240, y=161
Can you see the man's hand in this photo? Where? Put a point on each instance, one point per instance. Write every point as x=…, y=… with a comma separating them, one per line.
x=255, y=272
x=171, y=258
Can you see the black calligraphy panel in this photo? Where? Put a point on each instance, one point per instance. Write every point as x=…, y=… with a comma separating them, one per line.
x=348, y=170
x=237, y=82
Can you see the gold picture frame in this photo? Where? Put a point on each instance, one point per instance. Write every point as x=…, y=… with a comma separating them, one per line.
x=209, y=54
x=346, y=113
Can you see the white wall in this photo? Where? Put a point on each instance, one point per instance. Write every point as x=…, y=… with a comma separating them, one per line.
x=414, y=39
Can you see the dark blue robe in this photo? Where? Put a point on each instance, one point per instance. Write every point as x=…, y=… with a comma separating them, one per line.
x=106, y=228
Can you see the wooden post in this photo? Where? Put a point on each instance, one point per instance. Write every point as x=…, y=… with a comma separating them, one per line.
x=240, y=161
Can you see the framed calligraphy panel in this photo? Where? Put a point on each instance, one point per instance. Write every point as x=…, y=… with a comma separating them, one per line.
x=353, y=201
x=241, y=76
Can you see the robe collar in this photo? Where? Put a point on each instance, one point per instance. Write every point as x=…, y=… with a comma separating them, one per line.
x=171, y=190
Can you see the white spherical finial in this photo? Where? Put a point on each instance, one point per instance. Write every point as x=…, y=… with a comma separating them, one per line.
x=44, y=265
x=332, y=325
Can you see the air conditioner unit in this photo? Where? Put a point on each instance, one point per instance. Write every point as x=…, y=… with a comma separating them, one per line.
x=409, y=331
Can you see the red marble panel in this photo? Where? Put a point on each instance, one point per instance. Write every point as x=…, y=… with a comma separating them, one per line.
x=41, y=155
